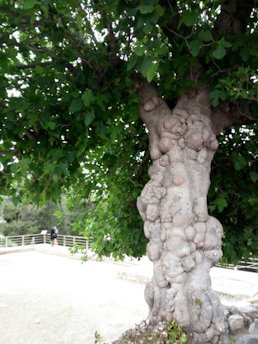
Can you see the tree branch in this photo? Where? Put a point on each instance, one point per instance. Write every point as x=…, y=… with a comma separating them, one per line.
x=88, y=24
x=78, y=45
x=233, y=18
x=9, y=12
x=170, y=27
x=34, y=47
x=227, y=114
x=12, y=151
x=110, y=38
x=33, y=65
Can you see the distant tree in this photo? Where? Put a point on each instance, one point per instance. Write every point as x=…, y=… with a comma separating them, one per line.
x=19, y=220
x=27, y=218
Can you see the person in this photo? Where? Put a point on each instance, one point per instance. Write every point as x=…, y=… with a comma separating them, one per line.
x=53, y=236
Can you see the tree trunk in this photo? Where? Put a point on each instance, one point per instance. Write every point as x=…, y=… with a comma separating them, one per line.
x=184, y=241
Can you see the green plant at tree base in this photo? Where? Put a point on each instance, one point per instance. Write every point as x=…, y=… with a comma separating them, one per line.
x=170, y=334
x=233, y=339
x=175, y=333
x=97, y=337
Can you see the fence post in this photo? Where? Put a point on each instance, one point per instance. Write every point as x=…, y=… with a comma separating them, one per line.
x=23, y=240
x=44, y=235
x=33, y=242
x=6, y=241
x=64, y=242
x=87, y=244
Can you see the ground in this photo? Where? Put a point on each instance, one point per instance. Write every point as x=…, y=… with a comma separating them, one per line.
x=52, y=299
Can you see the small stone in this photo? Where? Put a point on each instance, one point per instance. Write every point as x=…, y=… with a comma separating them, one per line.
x=236, y=322
x=247, y=308
x=247, y=340
x=252, y=328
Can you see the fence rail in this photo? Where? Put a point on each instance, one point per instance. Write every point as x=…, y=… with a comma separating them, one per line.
x=251, y=264
x=34, y=239
x=70, y=240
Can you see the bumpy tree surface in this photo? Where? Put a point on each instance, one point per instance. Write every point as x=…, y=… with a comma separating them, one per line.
x=184, y=240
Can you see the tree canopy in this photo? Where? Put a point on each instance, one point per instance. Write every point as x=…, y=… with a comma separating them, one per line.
x=70, y=72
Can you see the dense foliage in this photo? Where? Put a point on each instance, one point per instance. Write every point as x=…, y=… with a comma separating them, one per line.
x=27, y=218
x=69, y=73
x=233, y=192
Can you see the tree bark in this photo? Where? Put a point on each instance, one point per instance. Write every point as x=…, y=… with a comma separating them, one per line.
x=184, y=241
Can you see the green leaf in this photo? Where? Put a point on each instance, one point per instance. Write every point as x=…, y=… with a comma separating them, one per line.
x=148, y=26
x=254, y=176
x=189, y=18
x=205, y=36
x=28, y=4
x=147, y=63
x=139, y=51
x=145, y=9
x=214, y=96
x=151, y=71
x=219, y=52
x=221, y=203
x=49, y=168
x=222, y=95
x=100, y=129
x=39, y=70
x=239, y=161
x=89, y=117
x=132, y=62
x=194, y=47
x=51, y=125
x=55, y=178
x=159, y=10
x=226, y=44
x=88, y=98
x=198, y=301
x=75, y=105
x=244, y=53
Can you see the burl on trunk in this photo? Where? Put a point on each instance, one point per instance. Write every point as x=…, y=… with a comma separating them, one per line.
x=184, y=241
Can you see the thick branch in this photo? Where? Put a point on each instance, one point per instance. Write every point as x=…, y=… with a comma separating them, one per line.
x=233, y=18
x=150, y=101
x=170, y=27
x=226, y=115
x=145, y=90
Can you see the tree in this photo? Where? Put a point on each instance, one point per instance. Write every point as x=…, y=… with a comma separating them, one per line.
x=27, y=218
x=82, y=69
x=18, y=220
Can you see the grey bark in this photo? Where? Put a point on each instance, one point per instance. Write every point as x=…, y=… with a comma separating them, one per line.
x=184, y=241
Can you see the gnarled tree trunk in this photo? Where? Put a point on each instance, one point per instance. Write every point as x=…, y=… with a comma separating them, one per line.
x=184, y=241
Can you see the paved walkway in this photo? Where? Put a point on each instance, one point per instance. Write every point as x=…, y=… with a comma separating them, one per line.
x=52, y=299
x=56, y=300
